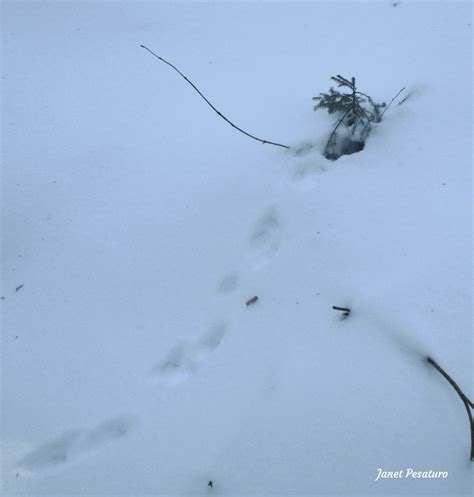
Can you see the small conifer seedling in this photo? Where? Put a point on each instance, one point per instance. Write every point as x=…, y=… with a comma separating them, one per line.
x=356, y=112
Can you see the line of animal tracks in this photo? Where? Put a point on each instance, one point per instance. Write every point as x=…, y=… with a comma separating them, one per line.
x=177, y=365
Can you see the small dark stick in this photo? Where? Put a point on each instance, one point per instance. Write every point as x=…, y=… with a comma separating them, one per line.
x=345, y=310
x=19, y=288
x=251, y=301
x=467, y=403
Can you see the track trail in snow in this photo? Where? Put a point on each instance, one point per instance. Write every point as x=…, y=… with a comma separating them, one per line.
x=182, y=361
x=179, y=364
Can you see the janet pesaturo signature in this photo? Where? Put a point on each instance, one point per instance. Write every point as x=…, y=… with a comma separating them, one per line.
x=409, y=473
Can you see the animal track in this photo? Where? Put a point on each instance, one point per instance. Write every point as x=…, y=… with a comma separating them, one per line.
x=182, y=361
x=209, y=342
x=74, y=444
x=50, y=454
x=306, y=170
x=264, y=239
x=106, y=432
x=176, y=367
x=227, y=284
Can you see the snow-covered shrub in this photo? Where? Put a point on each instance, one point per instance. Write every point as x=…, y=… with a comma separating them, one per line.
x=356, y=112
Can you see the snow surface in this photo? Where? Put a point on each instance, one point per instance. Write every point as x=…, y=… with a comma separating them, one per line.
x=139, y=224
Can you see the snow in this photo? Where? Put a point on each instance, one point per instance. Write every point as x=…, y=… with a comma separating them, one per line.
x=140, y=224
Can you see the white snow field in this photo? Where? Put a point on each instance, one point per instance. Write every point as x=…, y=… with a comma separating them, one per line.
x=136, y=224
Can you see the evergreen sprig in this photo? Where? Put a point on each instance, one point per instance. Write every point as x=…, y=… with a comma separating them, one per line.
x=356, y=112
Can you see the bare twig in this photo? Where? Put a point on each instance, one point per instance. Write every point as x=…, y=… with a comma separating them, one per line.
x=467, y=403
x=209, y=103
x=391, y=101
